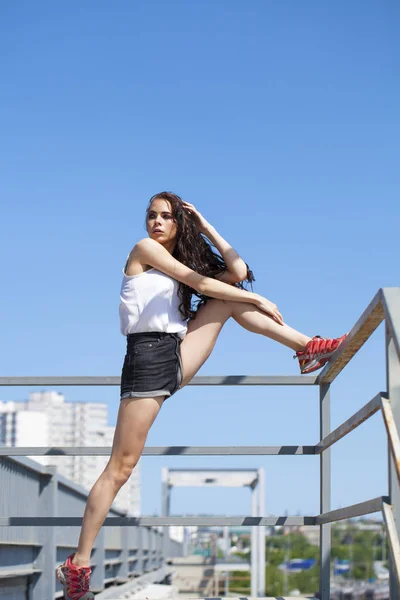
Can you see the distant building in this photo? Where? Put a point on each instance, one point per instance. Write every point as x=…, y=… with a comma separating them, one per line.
x=181, y=534
x=46, y=419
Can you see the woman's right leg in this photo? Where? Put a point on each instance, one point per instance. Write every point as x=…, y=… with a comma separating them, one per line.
x=203, y=332
x=135, y=417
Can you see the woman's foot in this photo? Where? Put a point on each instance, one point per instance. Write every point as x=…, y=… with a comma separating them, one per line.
x=75, y=580
x=317, y=353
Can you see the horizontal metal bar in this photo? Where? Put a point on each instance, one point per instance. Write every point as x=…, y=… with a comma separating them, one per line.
x=112, y=561
x=199, y=380
x=356, y=510
x=362, y=330
x=159, y=521
x=392, y=432
x=359, y=417
x=18, y=571
x=160, y=450
x=394, y=544
x=348, y=512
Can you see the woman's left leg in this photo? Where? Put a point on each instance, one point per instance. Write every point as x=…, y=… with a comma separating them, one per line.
x=203, y=331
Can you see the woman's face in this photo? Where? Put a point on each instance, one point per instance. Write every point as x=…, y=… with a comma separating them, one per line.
x=161, y=225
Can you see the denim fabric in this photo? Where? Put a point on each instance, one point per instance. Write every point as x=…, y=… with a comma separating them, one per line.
x=152, y=365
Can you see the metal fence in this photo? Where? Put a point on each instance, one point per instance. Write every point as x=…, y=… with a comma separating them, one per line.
x=29, y=553
x=384, y=307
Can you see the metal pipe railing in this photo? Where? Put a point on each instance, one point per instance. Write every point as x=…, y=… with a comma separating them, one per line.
x=385, y=306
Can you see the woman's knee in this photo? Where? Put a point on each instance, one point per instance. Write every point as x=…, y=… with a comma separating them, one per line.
x=120, y=469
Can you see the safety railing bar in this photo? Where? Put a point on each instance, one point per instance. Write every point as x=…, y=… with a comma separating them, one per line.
x=108, y=562
x=392, y=433
x=359, y=334
x=348, y=512
x=355, y=510
x=203, y=380
x=293, y=450
x=393, y=539
x=391, y=305
x=352, y=423
x=15, y=571
x=244, y=521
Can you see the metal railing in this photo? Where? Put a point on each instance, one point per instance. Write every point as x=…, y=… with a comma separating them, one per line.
x=384, y=307
x=30, y=553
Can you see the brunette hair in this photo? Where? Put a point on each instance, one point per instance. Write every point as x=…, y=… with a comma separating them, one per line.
x=194, y=250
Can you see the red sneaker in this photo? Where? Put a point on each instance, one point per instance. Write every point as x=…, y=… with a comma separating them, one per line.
x=75, y=580
x=317, y=353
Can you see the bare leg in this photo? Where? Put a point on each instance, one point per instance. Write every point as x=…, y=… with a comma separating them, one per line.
x=205, y=328
x=135, y=418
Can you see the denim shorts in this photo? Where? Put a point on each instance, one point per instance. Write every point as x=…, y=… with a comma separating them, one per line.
x=152, y=365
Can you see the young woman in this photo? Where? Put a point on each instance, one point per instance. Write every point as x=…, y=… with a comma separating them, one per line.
x=169, y=339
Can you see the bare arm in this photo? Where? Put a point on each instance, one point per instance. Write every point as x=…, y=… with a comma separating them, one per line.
x=150, y=252
x=236, y=267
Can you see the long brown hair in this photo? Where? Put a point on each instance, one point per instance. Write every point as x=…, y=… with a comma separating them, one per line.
x=193, y=250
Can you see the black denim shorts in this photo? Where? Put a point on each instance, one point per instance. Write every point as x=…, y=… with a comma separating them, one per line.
x=152, y=365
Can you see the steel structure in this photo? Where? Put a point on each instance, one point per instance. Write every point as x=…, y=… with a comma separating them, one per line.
x=252, y=478
x=28, y=555
x=384, y=307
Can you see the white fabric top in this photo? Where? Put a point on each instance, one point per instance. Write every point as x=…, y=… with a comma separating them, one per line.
x=150, y=302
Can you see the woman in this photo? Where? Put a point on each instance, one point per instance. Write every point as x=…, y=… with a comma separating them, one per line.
x=168, y=340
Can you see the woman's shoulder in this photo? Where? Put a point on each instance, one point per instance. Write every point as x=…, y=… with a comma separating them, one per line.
x=134, y=265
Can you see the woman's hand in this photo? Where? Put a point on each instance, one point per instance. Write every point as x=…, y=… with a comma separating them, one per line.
x=201, y=223
x=269, y=308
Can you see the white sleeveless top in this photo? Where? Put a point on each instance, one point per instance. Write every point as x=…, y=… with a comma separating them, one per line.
x=150, y=302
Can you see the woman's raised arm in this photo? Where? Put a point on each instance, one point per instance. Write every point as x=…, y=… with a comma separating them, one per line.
x=236, y=267
x=150, y=252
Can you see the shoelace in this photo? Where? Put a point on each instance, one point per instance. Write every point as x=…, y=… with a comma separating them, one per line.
x=79, y=579
x=317, y=345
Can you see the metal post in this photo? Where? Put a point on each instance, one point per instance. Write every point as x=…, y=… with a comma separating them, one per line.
x=165, y=508
x=44, y=583
x=150, y=557
x=139, y=552
x=254, y=545
x=123, y=573
x=393, y=388
x=226, y=554
x=325, y=492
x=261, y=532
x=98, y=558
x=226, y=541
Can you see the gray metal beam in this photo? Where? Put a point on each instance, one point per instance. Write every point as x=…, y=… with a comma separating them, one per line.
x=247, y=521
x=359, y=417
x=391, y=304
x=348, y=512
x=44, y=585
x=362, y=330
x=392, y=433
x=220, y=380
x=393, y=388
x=325, y=493
x=160, y=450
x=394, y=544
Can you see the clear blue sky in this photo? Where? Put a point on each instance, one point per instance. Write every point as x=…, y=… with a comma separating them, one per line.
x=279, y=121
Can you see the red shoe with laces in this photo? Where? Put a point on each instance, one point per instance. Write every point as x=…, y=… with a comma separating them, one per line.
x=317, y=353
x=75, y=580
